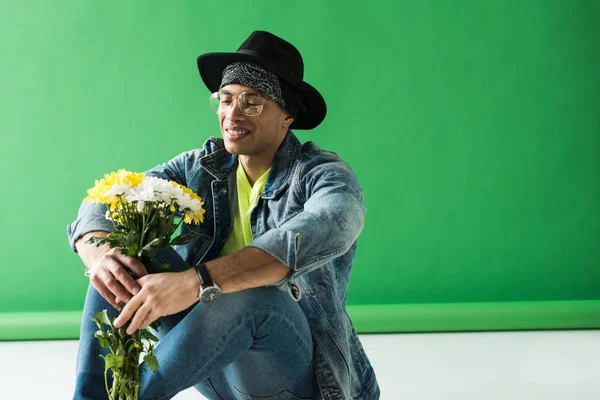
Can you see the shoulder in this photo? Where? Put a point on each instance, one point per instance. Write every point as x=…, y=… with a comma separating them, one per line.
x=312, y=159
x=316, y=167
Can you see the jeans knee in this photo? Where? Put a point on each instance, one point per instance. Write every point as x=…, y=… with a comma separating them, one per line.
x=250, y=301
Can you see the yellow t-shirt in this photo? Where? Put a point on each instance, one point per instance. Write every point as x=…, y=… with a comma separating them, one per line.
x=247, y=196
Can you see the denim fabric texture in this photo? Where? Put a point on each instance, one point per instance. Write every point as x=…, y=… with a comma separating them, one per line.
x=309, y=217
x=252, y=344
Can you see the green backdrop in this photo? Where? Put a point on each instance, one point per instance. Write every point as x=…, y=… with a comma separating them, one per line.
x=474, y=128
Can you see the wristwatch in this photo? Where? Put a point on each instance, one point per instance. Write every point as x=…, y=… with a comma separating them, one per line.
x=209, y=291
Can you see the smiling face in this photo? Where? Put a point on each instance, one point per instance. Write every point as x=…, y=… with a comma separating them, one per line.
x=254, y=138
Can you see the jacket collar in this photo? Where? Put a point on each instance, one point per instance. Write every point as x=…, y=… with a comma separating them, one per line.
x=282, y=167
x=220, y=164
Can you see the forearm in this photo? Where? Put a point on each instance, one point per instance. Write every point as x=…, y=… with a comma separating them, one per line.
x=245, y=269
x=90, y=252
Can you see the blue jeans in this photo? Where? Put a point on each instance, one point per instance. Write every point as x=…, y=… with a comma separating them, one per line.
x=253, y=344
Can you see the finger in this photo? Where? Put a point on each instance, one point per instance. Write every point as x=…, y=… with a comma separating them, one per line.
x=128, y=311
x=117, y=289
x=126, y=280
x=150, y=318
x=120, y=302
x=135, y=265
x=98, y=284
x=140, y=315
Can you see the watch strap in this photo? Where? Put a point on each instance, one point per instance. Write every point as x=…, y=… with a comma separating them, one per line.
x=203, y=275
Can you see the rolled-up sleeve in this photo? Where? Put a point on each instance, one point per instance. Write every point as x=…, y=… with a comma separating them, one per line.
x=329, y=224
x=90, y=218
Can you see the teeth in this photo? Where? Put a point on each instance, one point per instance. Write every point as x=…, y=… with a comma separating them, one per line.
x=237, y=132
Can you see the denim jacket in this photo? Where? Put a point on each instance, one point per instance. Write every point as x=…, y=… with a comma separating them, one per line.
x=309, y=217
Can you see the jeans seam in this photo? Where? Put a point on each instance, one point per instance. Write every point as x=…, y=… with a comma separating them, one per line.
x=213, y=390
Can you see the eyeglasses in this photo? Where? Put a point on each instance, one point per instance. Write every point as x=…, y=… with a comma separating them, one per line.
x=251, y=104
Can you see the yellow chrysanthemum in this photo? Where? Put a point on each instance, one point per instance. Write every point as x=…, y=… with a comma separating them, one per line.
x=124, y=177
x=196, y=217
x=190, y=216
x=193, y=195
x=97, y=194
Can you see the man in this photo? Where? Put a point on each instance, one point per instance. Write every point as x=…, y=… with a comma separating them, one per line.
x=255, y=305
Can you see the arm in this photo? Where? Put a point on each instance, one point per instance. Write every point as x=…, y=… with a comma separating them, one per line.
x=247, y=268
x=329, y=224
x=170, y=292
x=331, y=221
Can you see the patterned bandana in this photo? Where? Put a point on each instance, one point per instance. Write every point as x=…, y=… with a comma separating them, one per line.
x=255, y=77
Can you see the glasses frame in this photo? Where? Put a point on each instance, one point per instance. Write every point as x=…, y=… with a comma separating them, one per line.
x=236, y=97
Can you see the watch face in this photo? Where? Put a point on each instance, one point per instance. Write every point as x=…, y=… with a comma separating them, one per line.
x=209, y=294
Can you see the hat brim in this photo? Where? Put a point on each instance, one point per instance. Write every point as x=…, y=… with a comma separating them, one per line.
x=211, y=66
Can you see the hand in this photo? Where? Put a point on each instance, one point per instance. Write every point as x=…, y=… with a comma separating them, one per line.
x=109, y=276
x=162, y=294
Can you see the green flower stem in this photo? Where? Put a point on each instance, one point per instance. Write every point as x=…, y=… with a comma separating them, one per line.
x=143, y=232
x=147, y=224
x=121, y=210
x=106, y=383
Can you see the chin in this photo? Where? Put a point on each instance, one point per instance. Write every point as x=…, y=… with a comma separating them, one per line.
x=232, y=148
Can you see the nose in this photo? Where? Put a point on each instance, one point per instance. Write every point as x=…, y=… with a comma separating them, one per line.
x=235, y=112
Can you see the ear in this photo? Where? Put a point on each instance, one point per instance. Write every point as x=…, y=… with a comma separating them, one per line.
x=288, y=120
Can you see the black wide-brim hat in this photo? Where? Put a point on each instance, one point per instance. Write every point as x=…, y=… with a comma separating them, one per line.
x=281, y=58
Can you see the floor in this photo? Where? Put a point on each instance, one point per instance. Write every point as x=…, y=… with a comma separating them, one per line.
x=548, y=365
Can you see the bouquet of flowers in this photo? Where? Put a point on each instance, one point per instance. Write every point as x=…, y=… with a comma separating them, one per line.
x=145, y=211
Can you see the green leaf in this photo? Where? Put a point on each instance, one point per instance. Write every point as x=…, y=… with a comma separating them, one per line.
x=152, y=233
x=146, y=334
x=120, y=350
x=155, y=325
x=101, y=241
x=92, y=240
x=101, y=336
x=102, y=318
x=182, y=239
x=152, y=248
x=131, y=237
x=113, y=361
x=151, y=362
x=166, y=226
x=132, y=250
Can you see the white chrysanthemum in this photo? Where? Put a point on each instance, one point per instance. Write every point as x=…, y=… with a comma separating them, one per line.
x=162, y=194
x=144, y=192
x=117, y=190
x=195, y=205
